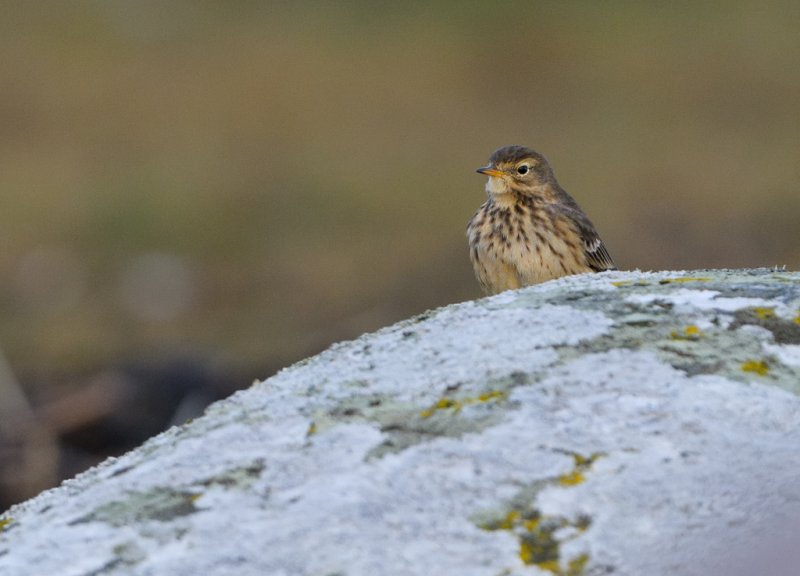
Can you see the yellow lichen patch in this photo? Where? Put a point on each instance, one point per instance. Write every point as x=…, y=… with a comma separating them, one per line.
x=691, y=332
x=5, y=522
x=525, y=553
x=797, y=319
x=758, y=366
x=508, y=522
x=582, y=464
x=577, y=565
x=489, y=396
x=312, y=429
x=538, y=544
x=446, y=403
x=764, y=313
x=549, y=565
x=441, y=404
x=531, y=524
x=581, y=460
x=622, y=283
x=573, y=478
x=540, y=547
x=457, y=405
x=682, y=280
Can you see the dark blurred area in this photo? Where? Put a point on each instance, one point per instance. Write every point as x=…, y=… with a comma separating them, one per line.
x=196, y=194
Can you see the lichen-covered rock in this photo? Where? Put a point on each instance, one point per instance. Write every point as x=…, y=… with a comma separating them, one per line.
x=627, y=423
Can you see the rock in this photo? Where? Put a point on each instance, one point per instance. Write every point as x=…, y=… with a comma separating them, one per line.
x=628, y=423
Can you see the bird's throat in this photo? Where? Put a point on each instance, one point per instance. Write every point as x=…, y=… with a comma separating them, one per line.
x=496, y=186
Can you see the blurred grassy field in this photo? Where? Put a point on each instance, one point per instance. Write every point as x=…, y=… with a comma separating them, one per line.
x=303, y=172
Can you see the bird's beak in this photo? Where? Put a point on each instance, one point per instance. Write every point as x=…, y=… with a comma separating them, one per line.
x=489, y=171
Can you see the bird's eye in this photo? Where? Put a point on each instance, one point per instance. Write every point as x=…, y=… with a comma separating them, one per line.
x=523, y=168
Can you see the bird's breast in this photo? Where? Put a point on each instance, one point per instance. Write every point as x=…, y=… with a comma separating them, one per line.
x=522, y=245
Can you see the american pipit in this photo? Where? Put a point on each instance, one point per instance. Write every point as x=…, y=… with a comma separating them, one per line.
x=529, y=230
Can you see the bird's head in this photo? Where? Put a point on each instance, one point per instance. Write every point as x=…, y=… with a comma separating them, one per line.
x=516, y=169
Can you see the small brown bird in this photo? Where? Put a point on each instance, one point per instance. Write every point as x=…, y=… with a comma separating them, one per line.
x=529, y=230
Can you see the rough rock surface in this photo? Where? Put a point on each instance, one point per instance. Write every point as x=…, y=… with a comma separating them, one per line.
x=627, y=423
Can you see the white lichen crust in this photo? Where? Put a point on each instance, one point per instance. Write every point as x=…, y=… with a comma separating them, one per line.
x=621, y=423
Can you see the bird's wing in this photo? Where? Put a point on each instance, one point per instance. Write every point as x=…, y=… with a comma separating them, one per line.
x=597, y=255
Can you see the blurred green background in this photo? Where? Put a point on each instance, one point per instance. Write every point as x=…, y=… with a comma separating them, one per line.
x=236, y=185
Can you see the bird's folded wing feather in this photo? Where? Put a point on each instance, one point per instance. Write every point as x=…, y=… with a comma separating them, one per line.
x=596, y=252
